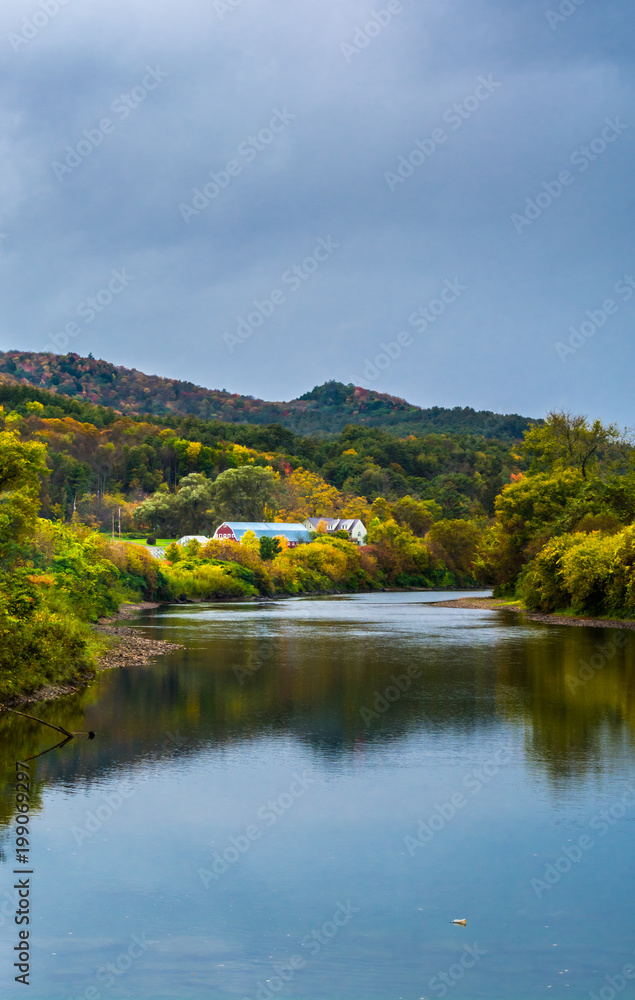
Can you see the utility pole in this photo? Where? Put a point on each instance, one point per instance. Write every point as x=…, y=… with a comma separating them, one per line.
x=120, y=524
x=113, y=524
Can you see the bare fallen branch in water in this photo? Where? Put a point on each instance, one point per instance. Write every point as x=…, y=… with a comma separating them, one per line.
x=58, y=729
x=58, y=746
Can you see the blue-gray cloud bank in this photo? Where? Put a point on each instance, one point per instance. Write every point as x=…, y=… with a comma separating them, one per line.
x=430, y=197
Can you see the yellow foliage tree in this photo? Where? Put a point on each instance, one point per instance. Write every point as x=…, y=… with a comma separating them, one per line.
x=353, y=506
x=381, y=509
x=305, y=494
x=250, y=541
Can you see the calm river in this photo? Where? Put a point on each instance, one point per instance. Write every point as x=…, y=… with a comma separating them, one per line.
x=300, y=803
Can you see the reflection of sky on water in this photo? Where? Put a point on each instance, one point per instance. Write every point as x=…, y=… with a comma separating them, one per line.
x=205, y=756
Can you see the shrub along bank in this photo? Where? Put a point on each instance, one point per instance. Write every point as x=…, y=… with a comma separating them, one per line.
x=563, y=535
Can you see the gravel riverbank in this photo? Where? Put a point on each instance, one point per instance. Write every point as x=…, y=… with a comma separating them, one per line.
x=130, y=648
x=495, y=604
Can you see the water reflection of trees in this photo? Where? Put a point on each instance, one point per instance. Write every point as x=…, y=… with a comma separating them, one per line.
x=17, y=736
x=578, y=717
x=311, y=685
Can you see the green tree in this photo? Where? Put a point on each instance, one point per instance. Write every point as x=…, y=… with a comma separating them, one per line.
x=185, y=512
x=192, y=501
x=527, y=512
x=565, y=441
x=269, y=547
x=242, y=494
x=173, y=552
x=456, y=543
x=380, y=510
x=402, y=558
x=21, y=465
x=158, y=513
x=418, y=515
x=374, y=481
x=192, y=548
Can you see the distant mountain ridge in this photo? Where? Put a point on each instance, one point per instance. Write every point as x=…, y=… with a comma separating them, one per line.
x=326, y=409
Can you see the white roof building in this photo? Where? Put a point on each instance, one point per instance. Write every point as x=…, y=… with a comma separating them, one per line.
x=234, y=530
x=356, y=529
x=192, y=538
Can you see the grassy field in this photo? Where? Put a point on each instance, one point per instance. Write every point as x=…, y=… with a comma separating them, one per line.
x=135, y=540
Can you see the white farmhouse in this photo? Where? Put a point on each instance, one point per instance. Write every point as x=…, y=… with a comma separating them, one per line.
x=355, y=528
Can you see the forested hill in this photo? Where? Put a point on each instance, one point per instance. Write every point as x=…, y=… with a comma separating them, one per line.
x=327, y=409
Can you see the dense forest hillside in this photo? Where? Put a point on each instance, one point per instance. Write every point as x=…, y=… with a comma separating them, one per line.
x=326, y=409
x=94, y=452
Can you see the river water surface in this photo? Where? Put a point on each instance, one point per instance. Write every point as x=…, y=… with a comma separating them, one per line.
x=300, y=802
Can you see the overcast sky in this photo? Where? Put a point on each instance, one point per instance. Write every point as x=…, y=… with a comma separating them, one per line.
x=452, y=179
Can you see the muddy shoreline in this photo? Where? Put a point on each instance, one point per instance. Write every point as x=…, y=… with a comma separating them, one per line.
x=495, y=604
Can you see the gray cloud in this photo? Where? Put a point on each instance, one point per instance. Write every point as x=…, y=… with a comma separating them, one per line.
x=324, y=175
